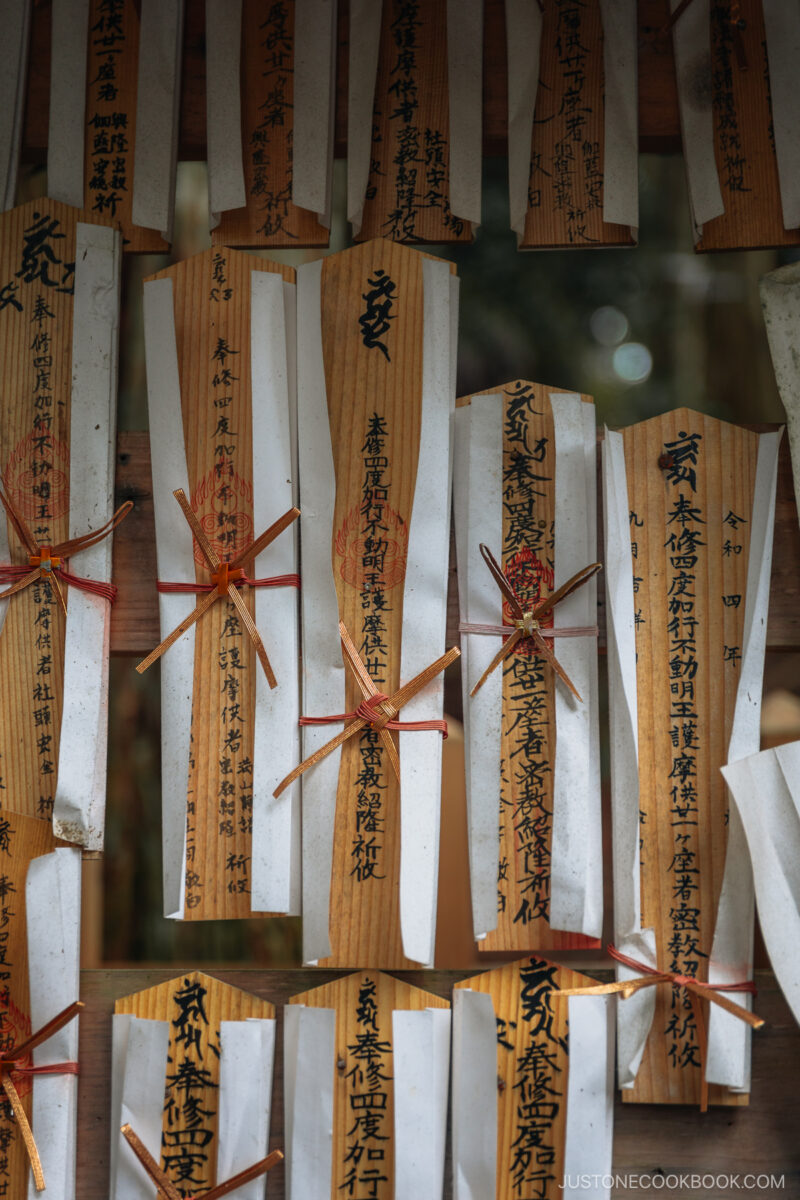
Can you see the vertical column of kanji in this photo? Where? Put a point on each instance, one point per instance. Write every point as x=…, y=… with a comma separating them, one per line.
x=37, y=271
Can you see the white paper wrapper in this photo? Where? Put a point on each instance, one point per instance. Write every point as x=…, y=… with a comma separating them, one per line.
x=79, y=808
x=139, y=1060
x=69, y=42
x=53, y=915
x=424, y=619
x=621, y=119
x=226, y=188
x=245, y=1099
x=314, y=105
x=766, y=791
x=365, y=36
x=465, y=98
x=157, y=111
x=780, y=299
x=523, y=41
x=474, y=1096
x=421, y=1057
x=590, y=1097
x=691, y=38
x=175, y=560
x=275, y=875
x=309, y=1049
x=15, y=17
x=782, y=29
x=731, y=961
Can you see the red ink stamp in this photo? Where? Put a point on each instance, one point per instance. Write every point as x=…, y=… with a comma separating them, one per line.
x=374, y=562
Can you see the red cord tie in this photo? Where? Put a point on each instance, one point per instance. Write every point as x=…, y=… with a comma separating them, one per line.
x=46, y=561
x=376, y=711
x=697, y=990
x=168, y=1189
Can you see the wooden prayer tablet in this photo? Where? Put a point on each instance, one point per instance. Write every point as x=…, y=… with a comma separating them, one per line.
x=743, y=96
x=689, y=507
x=269, y=218
x=408, y=191
x=187, y=1063
x=375, y=394
x=376, y=1062
x=536, y=1071
x=568, y=152
x=524, y=485
x=216, y=343
x=111, y=89
x=58, y=372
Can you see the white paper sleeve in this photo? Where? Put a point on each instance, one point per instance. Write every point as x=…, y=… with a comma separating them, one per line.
x=731, y=960
x=276, y=822
x=53, y=915
x=424, y=626
x=621, y=121
x=69, y=42
x=780, y=300
x=421, y=1056
x=465, y=107
x=313, y=105
x=309, y=1049
x=15, y=18
x=157, y=112
x=79, y=808
x=365, y=38
x=323, y=669
x=691, y=35
x=590, y=1097
x=766, y=791
x=142, y=1056
x=245, y=1099
x=576, y=872
x=474, y=1082
x=226, y=188
x=479, y=518
x=782, y=29
x=523, y=40
x=175, y=560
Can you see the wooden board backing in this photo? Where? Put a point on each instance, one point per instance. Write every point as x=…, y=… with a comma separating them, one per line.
x=112, y=68
x=364, y=1004
x=531, y=1083
x=690, y=526
x=194, y=1004
x=212, y=328
x=408, y=189
x=565, y=189
x=523, y=885
x=267, y=81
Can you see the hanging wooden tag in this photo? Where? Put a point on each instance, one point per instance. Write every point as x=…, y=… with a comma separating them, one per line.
x=184, y=1082
x=533, y=1081
x=689, y=506
x=525, y=486
x=405, y=195
x=366, y=1069
x=221, y=427
x=375, y=393
x=573, y=130
x=271, y=216
x=58, y=418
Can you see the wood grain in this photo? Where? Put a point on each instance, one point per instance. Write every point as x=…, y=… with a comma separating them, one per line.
x=523, y=922
x=269, y=218
x=383, y=994
x=212, y=329
x=530, y=1147
x=194, y=1004
x=565, y=190
x=690, y=533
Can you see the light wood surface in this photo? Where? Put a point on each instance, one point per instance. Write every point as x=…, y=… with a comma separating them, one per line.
x=194, y=1004
x=212, y=329
x=364, y=1003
